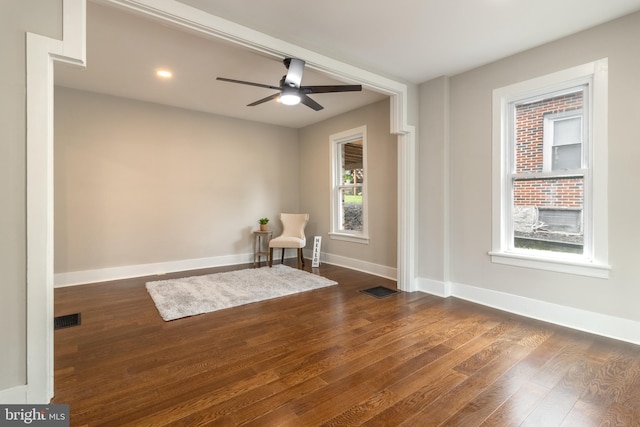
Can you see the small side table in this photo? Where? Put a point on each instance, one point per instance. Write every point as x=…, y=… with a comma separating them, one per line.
x=261, y=245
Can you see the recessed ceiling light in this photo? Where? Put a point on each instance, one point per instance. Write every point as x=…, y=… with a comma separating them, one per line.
x=165, y=74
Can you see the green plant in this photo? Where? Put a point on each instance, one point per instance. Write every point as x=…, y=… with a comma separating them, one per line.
x=263, y=221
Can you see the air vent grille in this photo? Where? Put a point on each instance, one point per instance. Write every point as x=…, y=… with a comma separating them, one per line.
x=66, y=321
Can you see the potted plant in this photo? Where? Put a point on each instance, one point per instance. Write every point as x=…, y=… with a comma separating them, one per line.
x=263, y=223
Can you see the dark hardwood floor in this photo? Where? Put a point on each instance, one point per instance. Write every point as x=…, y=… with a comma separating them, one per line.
x=334, y=357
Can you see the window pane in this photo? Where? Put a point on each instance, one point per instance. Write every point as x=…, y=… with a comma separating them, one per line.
x=547, y=211
x=566, y=157
x=566, y=150
x=529, y=136
x=351, y=154
x=547, y=214
x=567, y=131
x=351, y=218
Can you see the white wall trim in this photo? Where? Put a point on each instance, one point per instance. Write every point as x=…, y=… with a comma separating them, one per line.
x=41, y=52
x=433, y=287
x=407, y=211
x=570, y=317
x=356, y=264
x=446, y=223
x=84, y=277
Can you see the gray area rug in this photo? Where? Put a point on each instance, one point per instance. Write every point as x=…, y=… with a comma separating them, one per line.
x=176, y=298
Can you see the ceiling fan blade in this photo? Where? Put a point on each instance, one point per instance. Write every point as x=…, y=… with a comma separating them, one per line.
x=263, y=100
x=331, y=88
x=310, y=102
x=247, y=83
x=294, y=74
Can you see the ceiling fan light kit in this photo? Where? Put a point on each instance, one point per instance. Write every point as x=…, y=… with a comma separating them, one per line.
x=290, y=96
x=290, y=90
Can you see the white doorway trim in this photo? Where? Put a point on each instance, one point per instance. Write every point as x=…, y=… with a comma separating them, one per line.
x=41, y=54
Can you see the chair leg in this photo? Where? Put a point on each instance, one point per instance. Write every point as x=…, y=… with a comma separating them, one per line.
x=301, y=256
x=282, y=257
x=270, y=257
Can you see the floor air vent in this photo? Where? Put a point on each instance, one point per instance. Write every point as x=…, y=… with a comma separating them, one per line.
x=379, y=292
x=66, y=321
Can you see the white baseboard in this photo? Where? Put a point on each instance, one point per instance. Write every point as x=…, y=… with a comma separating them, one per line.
x=570, y=317
x=356, y=264
x=116, y=273
x=125, y=272
x=14, y=395
x=433, y=287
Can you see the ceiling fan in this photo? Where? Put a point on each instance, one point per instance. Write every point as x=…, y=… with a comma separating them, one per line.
x=290, y=92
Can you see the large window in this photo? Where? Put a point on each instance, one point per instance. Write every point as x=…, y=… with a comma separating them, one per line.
x=547, y=170
x=349, y=183
x=549, y=191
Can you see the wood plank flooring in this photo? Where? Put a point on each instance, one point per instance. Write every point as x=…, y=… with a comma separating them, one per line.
x=333, y=357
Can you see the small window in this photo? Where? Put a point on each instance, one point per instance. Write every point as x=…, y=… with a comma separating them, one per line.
x=348, y=200
x=561, y=220
x=563, y=139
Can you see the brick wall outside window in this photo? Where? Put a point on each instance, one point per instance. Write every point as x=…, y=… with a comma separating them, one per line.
x=549, y=193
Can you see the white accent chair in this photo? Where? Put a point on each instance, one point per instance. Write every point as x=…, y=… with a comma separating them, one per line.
x=292, y=236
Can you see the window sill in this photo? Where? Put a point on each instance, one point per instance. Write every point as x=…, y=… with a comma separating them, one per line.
x=364, y=240
x=581, y=268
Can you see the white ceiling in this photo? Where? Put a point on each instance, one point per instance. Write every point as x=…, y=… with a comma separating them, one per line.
x=124, y=50
x=417, y=40
x=408, y=40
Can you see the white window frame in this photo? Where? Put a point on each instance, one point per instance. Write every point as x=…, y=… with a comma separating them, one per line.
x=594, y=261
x=336, y=140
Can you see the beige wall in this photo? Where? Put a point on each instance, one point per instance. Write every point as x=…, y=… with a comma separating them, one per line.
x=16, y=18
x=432, y=158
x=315, y=180
x=140, y=183
x=470, y=172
